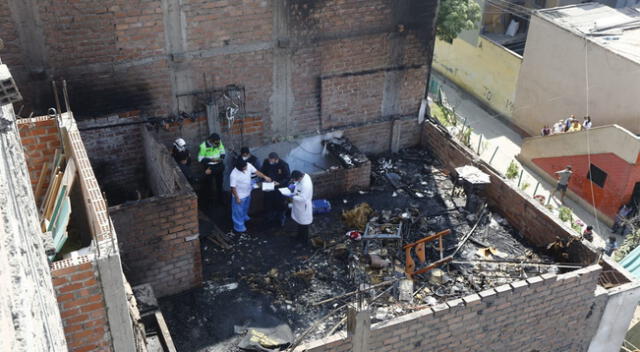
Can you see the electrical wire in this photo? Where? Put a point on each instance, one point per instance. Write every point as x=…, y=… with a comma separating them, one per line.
x=509, y=8
x=586, y=77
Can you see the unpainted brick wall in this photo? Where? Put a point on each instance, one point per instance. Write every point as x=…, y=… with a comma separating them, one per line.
x=118, y=55
x=40, y=139
x=82, y=306
x=374, y=138
x=248, y=131
x=534, y=221
x=331, y=183
x=543, y=313
x=163, y=174
x=159, y=243
x=115, y=148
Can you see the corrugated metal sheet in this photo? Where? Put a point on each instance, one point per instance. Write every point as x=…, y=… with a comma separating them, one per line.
x=632, y=262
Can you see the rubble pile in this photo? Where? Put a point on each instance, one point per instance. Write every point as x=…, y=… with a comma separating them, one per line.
x=347, y=153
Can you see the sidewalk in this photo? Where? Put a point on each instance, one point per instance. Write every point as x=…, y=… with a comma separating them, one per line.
x=489, y=133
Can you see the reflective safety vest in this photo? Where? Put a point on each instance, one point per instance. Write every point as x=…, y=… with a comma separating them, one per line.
x=209, y=151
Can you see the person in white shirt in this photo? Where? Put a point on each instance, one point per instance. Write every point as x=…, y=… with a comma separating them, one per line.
x=558, y=127
x=587, y=122
x=302, y=209
x=241, y=186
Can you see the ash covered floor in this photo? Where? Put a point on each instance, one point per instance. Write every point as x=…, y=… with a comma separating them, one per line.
x=268, y=277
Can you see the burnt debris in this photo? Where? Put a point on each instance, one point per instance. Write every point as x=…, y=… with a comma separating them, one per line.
x=406, y=244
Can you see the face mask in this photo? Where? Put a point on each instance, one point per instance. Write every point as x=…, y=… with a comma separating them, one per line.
x=272, y=163
x=245, y=158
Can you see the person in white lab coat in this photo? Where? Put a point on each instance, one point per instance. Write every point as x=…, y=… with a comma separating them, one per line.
x=302, y=208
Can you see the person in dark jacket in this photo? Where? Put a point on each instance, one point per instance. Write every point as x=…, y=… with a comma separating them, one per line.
x=181, y=155
x=246, y=155
x=278, y=170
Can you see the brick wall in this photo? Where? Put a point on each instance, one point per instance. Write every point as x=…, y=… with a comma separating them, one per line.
x=82, y=306
x=40, y=139
x=115, y=149
x=543, y=313
x=340, y=181
x=305, y=65
x=535, y=222
x=156, y=237
x=163, y=174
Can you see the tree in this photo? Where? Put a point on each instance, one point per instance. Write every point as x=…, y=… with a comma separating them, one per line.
x=454, y=16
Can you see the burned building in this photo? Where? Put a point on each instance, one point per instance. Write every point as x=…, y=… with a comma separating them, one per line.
x=440, y=253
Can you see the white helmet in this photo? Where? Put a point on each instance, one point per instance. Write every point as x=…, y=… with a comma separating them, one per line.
x=180, y=144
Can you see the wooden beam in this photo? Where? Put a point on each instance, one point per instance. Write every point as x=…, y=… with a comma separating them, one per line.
x=428, y=238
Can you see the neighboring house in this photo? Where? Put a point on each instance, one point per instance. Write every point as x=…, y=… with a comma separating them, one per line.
x=486, y=61
x=552, y=83
x=606, y=165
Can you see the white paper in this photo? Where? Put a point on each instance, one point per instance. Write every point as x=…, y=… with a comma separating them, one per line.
x=268, y=186
x=285, y=191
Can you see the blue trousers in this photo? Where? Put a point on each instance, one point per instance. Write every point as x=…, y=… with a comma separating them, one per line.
x=240, y=213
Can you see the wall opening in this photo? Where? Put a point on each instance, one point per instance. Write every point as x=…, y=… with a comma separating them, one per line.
x=597, y=176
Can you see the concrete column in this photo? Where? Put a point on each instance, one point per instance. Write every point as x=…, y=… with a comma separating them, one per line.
x=281, y=94
x=395, y=136
x=618, y=311
x=26, y=16
x=175, y=31
x=358, y=327
x=115, y=298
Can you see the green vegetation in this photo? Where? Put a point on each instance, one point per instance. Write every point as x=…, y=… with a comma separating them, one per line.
x=465, y=136
x=525, y=185
x=441, y=113
x=565, y=214
x=513, y=170
x=631, y=242
x=577, y=227
x=455, y=16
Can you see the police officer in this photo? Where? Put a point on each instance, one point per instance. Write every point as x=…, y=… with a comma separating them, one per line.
x=210, y=155
x=181, y=155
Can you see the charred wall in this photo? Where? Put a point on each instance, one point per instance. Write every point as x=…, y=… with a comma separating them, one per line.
x=297, y=60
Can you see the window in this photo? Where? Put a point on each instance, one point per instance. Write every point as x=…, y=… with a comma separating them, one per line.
x=597, y=176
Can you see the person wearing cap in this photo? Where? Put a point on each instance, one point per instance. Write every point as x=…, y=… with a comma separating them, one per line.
x=245, y=154
x=302, y=207
x=278, y=170
x=182, y=156
x=210, y=155
x=241, y=186
x=563, y=182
